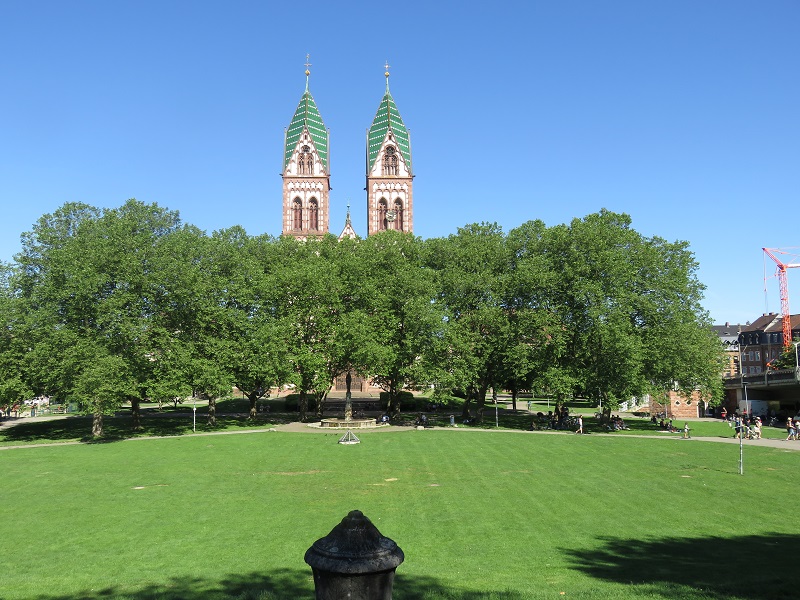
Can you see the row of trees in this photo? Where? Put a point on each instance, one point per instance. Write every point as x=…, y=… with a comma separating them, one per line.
x=106, y=306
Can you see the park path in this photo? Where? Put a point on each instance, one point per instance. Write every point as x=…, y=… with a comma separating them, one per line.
x=297, y=427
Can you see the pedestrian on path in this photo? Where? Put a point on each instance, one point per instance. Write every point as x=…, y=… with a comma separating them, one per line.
x=580, y=424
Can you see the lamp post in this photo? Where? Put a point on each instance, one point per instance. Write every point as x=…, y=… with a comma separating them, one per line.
x=741, y=434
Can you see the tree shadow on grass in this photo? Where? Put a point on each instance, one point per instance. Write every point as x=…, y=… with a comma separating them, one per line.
x=282, y=584
x=748, y=567
x=121, y=427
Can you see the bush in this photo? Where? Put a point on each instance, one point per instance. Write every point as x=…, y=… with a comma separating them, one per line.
x=406, y=399
x=292, y=403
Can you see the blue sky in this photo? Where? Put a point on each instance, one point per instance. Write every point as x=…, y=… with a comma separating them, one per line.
x=682, y=113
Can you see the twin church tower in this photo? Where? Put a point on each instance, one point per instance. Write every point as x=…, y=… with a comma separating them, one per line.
x=306, y=173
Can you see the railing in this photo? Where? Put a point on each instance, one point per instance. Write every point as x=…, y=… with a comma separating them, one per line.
x=767, y=378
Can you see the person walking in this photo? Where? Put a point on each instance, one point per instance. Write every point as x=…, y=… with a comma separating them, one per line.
x=580, y=425
x=791, y=432
x=686, y=430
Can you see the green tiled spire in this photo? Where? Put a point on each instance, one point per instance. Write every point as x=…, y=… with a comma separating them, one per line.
x=387, y=117
x=307, y=116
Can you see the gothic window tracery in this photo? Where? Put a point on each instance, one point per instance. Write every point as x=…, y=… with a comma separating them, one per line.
x=313, y=215
x=297, y=214
x=390, y=161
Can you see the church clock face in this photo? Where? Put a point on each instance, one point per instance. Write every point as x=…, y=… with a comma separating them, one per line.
x=391, y=215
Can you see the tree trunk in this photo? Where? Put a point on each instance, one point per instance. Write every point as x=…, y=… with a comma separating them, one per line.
x=253, y=397
x=465, y=411
x=321, y=403
x=480, y=403
x=212, y=411
x=136, y=414
x=97, y=424
x=303, y=404
x=514, y=398
x=394, y=399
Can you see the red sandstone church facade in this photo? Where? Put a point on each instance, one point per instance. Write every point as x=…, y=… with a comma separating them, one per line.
x=307, y=179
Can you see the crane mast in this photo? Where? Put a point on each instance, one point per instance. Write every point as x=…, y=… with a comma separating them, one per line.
x=783, y=285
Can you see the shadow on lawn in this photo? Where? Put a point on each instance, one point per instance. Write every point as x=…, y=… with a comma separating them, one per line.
x=121, y=427
x=283, y=584
x=747, y=567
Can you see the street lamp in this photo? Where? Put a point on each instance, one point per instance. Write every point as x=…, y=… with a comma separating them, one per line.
x=741, y=434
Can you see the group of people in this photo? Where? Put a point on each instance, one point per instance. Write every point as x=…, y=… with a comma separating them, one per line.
x=665, y=424
x=747, y=427
x=616, y=424
x=6, y=410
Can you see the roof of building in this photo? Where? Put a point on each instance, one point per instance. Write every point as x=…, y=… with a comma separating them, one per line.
x=387, y=117
x=307, y=117
x=763, y=323
x=729, y=332
x=348, y=231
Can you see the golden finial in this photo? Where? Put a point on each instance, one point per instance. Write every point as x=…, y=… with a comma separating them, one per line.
x=307, y=64
x=386, y=66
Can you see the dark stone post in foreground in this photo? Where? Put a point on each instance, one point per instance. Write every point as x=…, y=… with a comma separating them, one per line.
x=354, y=561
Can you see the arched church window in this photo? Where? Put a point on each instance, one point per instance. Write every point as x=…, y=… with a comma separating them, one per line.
x=383, y=209
x=305, y=163
x=313, y=215
x=297, y=214
x=398, y=214
x=390, y=161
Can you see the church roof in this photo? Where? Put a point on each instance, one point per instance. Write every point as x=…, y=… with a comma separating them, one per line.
x=387, y=117
x=307, y=117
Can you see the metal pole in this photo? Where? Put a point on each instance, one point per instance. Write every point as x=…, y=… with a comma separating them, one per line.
x=741, y=435
x=194, y=414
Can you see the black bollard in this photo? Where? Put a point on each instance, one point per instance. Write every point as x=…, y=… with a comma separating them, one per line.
x=354, y=561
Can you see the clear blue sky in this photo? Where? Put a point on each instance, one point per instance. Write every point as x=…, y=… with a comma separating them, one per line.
x=684, y=114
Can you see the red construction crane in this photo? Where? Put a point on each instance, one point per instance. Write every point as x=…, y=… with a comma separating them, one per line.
x=784, y=288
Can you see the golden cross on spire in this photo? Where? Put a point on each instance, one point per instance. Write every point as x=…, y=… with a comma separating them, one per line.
x=386, y=66
x=307, y=64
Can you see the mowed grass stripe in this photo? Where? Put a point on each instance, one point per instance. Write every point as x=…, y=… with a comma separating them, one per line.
x=503, y=514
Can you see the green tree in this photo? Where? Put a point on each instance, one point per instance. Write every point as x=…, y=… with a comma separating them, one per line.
x=88, y=279
x=471, y=267
x=398, y=311
x=251, y=335
x=310, y=308
x=630, y=309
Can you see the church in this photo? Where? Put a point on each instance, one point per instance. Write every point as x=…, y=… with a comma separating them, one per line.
x=307, y=178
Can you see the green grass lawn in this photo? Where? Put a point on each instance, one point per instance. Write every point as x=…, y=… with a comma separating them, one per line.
x=232, y=416
x=501, y=515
